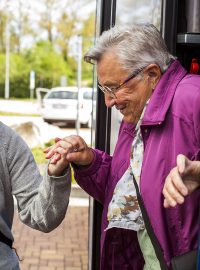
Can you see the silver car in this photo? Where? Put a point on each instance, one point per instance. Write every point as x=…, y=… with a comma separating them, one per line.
x=60, y=105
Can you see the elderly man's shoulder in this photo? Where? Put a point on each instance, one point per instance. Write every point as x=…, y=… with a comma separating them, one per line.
x=188, y=88
x=190, y=82
x=187, y=98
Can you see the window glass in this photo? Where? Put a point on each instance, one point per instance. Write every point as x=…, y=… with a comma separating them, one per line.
x=63, y=95
x=87, y=95
x=134, y=11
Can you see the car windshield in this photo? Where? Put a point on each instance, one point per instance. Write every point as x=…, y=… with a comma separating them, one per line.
x=87, y=95
x=62, y=95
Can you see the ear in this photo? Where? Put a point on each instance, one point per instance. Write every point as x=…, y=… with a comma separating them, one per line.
x=154, y=73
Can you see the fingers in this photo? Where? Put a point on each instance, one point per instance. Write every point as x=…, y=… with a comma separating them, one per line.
x=61, y=146
x=66, y=148
x=51, y=147
x=50, y=151
x=174, y=189
x=77, y=143
x=182, y=162
x=46, y=150
x=55, y=158
x=57, y=139
x=166, y=203
x=70, y=149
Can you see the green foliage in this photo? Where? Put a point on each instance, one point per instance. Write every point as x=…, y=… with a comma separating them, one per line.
x=87, y=33
x=2, y=30
x=39, y=155
x=48, y=65
x=19, y=76
x=49, y=56
x=38, y=152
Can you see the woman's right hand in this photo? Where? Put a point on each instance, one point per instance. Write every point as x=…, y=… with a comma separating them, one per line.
x=73, y=148
x=181, y=181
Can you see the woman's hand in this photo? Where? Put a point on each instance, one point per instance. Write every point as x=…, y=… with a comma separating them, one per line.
x=181, y=181
x=70, y=149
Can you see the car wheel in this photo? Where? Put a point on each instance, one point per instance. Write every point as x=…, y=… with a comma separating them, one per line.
x=47, y=121
x=88, y=124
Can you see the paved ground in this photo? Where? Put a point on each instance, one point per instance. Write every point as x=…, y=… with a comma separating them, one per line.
x=66, y=248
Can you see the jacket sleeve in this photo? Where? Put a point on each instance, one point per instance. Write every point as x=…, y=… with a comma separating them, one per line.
x=196, y=121
x=41, y=202
x=93, y=179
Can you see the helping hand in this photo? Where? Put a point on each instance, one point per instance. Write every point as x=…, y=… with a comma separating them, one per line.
x=73, y=148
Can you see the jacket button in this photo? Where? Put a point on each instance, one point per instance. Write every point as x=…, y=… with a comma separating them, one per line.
x=146, y=130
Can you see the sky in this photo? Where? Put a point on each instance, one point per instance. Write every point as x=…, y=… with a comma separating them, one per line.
x=34, y=9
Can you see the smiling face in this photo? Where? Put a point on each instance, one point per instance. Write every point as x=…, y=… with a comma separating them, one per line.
x=131, y=98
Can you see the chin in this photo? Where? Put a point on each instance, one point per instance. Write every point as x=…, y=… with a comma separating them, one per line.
x=128, y=120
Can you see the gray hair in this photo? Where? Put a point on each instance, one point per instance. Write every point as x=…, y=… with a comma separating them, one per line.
x=137, y=46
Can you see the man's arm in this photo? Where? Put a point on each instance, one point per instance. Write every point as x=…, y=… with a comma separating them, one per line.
x=42, y=202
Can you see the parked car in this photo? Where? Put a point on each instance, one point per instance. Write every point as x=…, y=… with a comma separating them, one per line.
x=60, y=105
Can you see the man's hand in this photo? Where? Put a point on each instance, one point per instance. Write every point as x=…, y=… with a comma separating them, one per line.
x=181, y=181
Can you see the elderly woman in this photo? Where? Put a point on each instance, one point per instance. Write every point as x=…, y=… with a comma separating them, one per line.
x=160, y=104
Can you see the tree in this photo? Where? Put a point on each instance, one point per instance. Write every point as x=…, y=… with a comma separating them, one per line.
x=87, y=33
x=2, y=31
x=48, y=65
x=47, y=17
x=21, y=25
x=17, y=19
x=19, y=76
x=66, y=29
x=48, y=55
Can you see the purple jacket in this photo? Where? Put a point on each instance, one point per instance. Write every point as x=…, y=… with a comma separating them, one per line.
x=171, y=125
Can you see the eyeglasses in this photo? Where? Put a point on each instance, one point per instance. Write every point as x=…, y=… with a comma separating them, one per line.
x=112, y=90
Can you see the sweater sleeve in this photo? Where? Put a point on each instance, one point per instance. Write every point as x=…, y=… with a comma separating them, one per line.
x=94, y=179
x=42, y=202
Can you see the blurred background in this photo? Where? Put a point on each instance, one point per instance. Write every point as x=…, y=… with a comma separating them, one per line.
x=41, y=47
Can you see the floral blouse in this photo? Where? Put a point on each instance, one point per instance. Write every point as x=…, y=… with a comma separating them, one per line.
x=123, y=210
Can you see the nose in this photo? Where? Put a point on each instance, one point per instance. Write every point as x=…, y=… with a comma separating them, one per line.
x=109, y=101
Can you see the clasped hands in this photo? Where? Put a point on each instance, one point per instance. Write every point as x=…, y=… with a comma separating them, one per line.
x=69, y=149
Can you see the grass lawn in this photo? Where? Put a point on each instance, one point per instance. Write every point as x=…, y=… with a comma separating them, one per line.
x=17, y=114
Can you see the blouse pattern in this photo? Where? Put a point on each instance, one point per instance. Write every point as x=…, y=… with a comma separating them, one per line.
x=123, y=210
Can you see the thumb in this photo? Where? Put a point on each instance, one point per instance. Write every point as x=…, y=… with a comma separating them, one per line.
x=181, y=162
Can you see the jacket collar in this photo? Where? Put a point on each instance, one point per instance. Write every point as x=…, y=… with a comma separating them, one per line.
x=163, y=94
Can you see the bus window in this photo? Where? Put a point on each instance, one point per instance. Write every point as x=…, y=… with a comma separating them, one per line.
x=138, y=11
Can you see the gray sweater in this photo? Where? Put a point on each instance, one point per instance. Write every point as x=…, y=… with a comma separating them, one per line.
x=42, y=203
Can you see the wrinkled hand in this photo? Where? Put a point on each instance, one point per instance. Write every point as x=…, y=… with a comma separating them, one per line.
x=72, y=149
x=181, y=181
